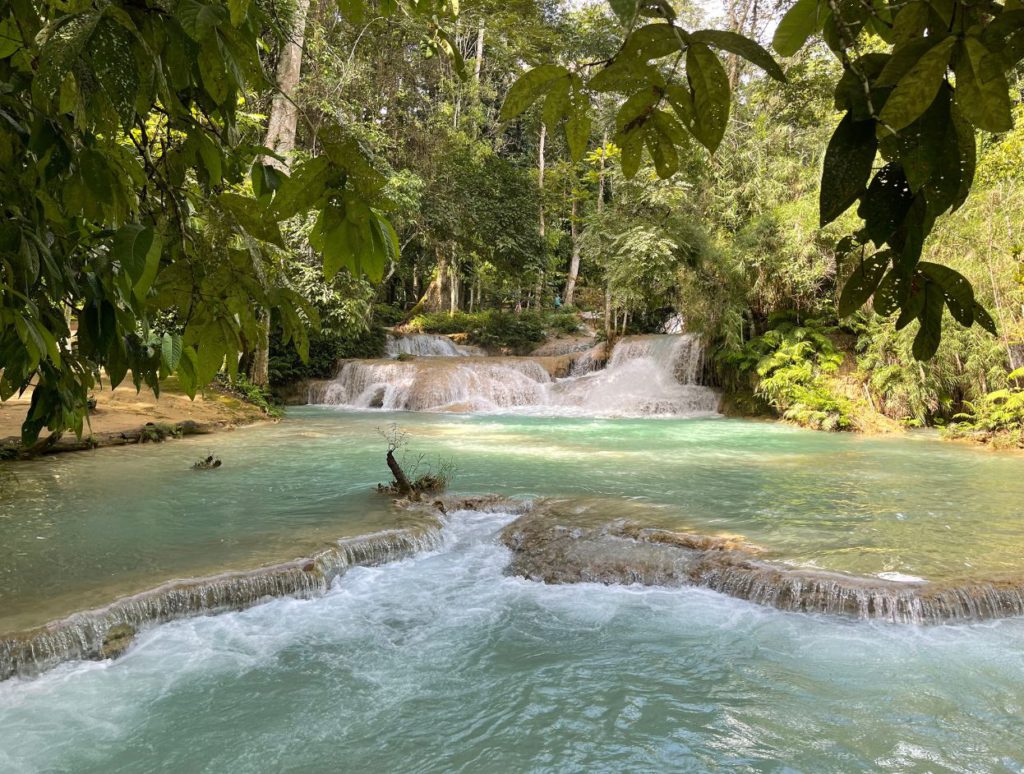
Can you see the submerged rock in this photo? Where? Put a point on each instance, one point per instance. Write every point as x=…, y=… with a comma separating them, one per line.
x=554, y=547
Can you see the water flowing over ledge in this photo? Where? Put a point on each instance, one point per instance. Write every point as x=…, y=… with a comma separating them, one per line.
x=107, y=631
x=555, y=546
x=656, y=375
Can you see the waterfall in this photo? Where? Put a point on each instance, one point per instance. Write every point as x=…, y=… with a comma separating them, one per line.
x=554, y=547
x=102, y=632
x=427, y=345
x=657, y=375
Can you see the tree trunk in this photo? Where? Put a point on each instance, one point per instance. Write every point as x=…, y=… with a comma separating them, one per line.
x=478, y=65
x=401, y=480
x=281, y=130
x=574, y=263
x=432, y=299
x=607, y=313
x=542, y=226
x=453, y=290
x=284, y=115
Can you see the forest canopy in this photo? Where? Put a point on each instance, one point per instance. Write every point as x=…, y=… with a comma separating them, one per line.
x=184, y=183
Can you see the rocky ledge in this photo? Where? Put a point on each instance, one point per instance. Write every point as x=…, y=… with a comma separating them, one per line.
x=553, y=546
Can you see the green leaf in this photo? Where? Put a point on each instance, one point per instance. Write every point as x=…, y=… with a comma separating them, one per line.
x=982, y=91
x=910, y=21
x=251, y=216
x=862, y=282
x=632, y=144
x=926, y=342
x=556, y=104
x=681, y=99
x=10, y=37
x=653, y=41
x=886, y=203
x=624, y=10
x=626, y=75
x=200, y=19
x=984, y=319
x=848, y=161
x=710, y=85
x=170, y=352
x=916, y=90
x=742, y=46
x=892, y=292
x=530, y=87
x=577, y=126
x=635, y=110
x=912, y=308
x=238, y=9
x=795, y=27
x=956, y=290
x=353, y=10
x=303, y=188
x=213, y=72
x=663, y=153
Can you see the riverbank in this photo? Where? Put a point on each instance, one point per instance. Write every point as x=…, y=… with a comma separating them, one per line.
x=125, y=416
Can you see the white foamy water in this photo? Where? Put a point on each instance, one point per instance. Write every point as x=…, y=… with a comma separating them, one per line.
x=427, y=345
x=645, y=376
x=443, y=663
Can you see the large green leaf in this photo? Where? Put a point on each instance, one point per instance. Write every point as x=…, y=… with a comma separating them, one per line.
x=926, y=342
x=556, y=104
x=710, y=85
x=626, y=75
x=742, y=46
x=653, y=41
x=848, y=160
x=916, y=90
x=886, y=203
x=625, y=10
x=577, y=125
x=795, y=27
x=956, y=290
x=982, y=91
x=663, y=153
x=530, y=87
x=303, y=188
x=862, y=282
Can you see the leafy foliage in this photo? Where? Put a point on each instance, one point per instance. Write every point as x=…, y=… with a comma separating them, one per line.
x=933, y=74
x=998, y=417
x=131, y=186
x=789, y=365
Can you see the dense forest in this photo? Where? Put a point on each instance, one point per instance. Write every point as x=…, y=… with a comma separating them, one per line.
x=290, y=178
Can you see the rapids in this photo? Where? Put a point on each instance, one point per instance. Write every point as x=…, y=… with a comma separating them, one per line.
x=443, y=663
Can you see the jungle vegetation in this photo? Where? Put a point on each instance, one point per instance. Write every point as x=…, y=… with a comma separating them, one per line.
x=830, y=191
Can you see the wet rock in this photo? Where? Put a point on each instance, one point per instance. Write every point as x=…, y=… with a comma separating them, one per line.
x=557, y=547
x=117, y=640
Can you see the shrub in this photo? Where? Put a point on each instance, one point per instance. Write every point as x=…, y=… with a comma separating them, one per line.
x=325, y=350
x=789, y=366
x=997, y=418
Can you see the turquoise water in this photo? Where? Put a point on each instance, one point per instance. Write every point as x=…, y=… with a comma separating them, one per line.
x=442, y=663
x=79, y=530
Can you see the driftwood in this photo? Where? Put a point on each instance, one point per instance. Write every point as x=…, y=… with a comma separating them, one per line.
x=402, y=483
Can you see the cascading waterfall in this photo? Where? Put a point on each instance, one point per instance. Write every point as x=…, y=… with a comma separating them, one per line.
x=545, y=547
x=89, y=634
x=655, y=375
x=427, y=345
x=106, y=631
